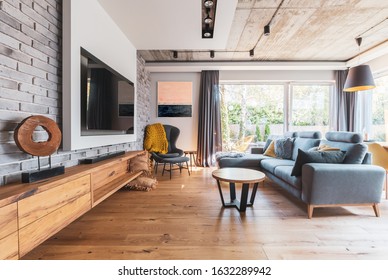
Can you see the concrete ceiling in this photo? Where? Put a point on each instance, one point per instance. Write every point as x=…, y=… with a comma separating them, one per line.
x=301, y=30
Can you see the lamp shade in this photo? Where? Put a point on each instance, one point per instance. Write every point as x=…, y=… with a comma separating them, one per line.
x=359, y=78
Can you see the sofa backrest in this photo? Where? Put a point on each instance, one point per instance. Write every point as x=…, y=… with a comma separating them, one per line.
x=304, y=143
x=309, y=134
x=303, y=140
x=351, y=143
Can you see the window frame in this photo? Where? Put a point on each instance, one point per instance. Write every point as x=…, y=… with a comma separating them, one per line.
x=288, y=93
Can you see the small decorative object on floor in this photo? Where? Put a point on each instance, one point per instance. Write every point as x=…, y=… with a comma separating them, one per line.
x=144, y=182
x=23, y=136
x=140, y=163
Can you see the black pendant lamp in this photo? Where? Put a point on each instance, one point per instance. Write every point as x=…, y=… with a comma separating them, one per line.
x=359, y=77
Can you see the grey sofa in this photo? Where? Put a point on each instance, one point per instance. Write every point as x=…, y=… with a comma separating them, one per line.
x=353, y=182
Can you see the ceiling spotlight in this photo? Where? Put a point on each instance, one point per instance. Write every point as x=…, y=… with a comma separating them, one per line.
x=207, y=34
x=252, y=52
x=175, y=54
x=208, y=19
x=266, y=30
x=208, y=3
x=212, y=54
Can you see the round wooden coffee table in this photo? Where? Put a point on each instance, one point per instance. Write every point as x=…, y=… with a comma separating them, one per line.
x=239, y=175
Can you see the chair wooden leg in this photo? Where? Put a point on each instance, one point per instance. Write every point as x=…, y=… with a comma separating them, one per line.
x=188, y=170
x=310, y=210
x=376, y=209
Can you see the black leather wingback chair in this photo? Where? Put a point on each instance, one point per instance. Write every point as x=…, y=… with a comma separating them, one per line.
x=174, y=154
x=172, y=134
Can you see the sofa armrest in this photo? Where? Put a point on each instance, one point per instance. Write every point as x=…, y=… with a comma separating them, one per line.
x=324, y=183
x=257, y=150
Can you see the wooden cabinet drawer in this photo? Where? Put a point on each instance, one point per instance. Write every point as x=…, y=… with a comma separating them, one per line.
x=8, y=220
x=39, y=205
x=38, y=231
x=106, y=175
x=9, y=247
x=8, y=232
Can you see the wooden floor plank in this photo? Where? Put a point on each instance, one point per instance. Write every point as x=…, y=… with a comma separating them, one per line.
x=183, y=219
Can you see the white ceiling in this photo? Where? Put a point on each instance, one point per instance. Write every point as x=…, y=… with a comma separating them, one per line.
x=170, y=24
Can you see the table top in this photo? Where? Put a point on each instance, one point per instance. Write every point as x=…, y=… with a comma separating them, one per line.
x=238, y=175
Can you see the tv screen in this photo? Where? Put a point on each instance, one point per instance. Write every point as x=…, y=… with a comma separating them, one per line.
x=107, y=99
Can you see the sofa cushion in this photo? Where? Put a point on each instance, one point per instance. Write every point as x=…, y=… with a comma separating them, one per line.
x=324, y=148
x=316, y=157
x=247, y=161
x=270, y=151
x=267, y=143
x=271, y=163
x=270, y=139
x=284, y=173
x=355, y=153
x=303, y=144
x=283, y=148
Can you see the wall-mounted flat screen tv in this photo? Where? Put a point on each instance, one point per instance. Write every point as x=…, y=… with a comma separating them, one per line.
x=107, y=99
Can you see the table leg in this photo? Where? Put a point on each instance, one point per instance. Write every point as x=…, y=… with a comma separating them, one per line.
x=253, y=194
x=219, y=189
x=244, y=197
x=243, y=203
x=232, y=188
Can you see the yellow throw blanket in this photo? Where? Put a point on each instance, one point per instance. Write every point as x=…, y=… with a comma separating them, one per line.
x=155, y=139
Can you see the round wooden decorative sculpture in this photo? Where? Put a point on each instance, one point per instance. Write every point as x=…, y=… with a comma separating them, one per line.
x=23, y=136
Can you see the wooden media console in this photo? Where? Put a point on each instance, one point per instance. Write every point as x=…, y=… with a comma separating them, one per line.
x=30, y=213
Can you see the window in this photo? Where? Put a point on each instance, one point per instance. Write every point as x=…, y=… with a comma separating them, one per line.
x=310, y=105
x=251, y=112
x=379, y=131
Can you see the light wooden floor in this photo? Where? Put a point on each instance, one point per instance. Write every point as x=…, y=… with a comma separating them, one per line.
x=183, y=219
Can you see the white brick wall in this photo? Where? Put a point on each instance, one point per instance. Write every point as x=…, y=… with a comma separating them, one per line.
x=31, y=83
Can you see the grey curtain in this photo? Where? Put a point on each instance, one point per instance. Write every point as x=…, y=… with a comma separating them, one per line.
x=344, y=105
x=209, y=123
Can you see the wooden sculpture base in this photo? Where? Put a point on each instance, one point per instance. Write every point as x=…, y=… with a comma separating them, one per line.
x=30, y=177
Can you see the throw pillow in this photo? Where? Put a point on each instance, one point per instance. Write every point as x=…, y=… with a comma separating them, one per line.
x=324, y=148
x=270, y=151
x=267, y=143
x=283, y=148
x=327, y=148
x=140, y=163
x=142, y=184
x=356, y=154
x=316, y=157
